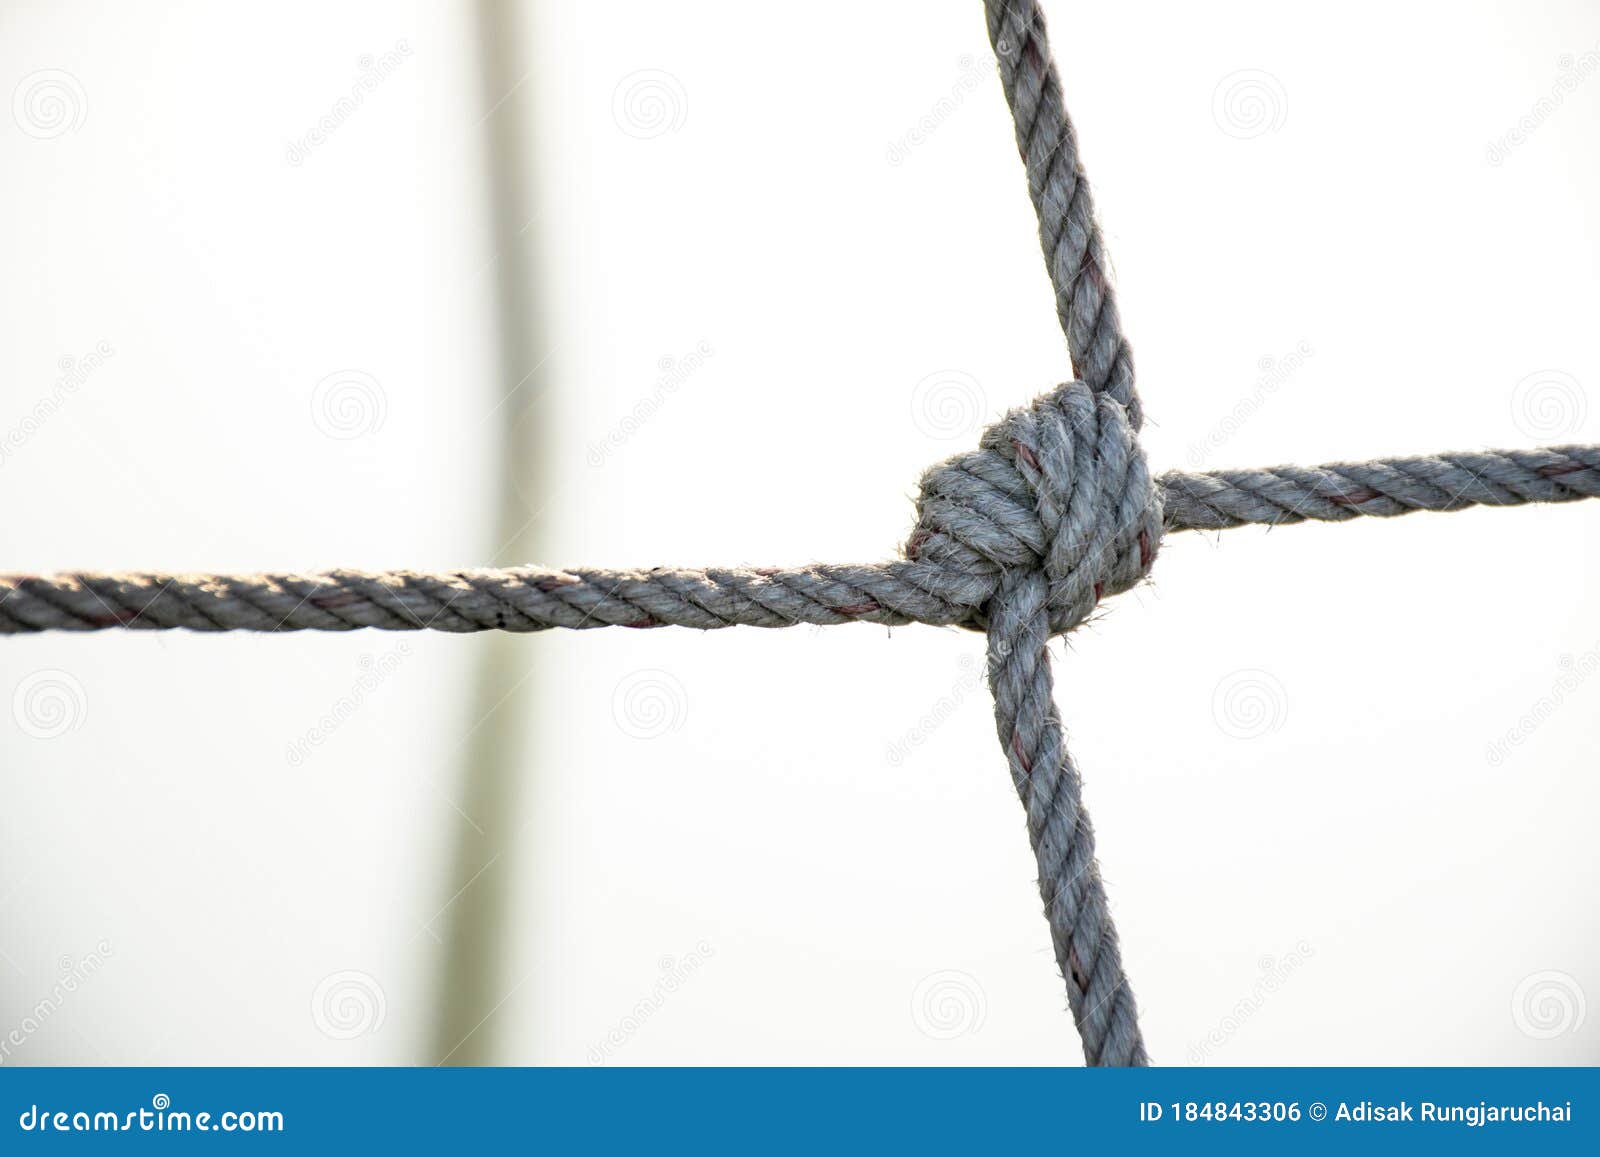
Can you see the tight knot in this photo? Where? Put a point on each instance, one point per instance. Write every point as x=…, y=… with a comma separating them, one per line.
x=1059, y=486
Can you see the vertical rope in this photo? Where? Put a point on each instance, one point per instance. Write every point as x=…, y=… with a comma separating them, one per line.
x=1081, y=929
x=1047, y=781
x=1073, y=251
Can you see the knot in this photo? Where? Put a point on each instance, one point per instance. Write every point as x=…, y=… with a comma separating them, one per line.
x=1059, y=486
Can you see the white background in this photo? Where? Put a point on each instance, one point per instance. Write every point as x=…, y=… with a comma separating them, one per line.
x=712, y=854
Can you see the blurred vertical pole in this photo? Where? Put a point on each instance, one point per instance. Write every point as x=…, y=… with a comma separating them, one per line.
x=474, y=980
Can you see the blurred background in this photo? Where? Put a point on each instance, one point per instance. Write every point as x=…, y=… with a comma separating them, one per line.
x=405, y=285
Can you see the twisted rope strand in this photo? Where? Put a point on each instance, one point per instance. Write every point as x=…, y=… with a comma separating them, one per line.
x=892, y=593
x=1081, y=930
x=1102, y=518
x=1069, y=236
x=1382, y=488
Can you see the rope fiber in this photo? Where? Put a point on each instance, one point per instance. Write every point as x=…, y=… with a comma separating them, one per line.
x=1021, y=538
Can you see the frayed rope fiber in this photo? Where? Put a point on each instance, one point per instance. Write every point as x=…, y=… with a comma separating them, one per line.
x=1021, y=538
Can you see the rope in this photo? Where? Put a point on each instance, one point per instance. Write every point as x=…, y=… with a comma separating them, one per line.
x=1100, y=520
x=1021, y=538
x=531, y=598
x=1068, y=233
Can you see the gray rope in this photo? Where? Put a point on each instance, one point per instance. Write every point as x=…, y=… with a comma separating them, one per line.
x=1081, y=930
x=1074, y=255
x=1381, y=488
x=1021, y=538
x=919, y=590
x=1089, y=528
x=1100, y=519
x=1096, y=506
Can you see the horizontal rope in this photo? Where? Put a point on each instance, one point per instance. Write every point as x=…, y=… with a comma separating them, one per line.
x=893, y=593
x=1381, y=488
